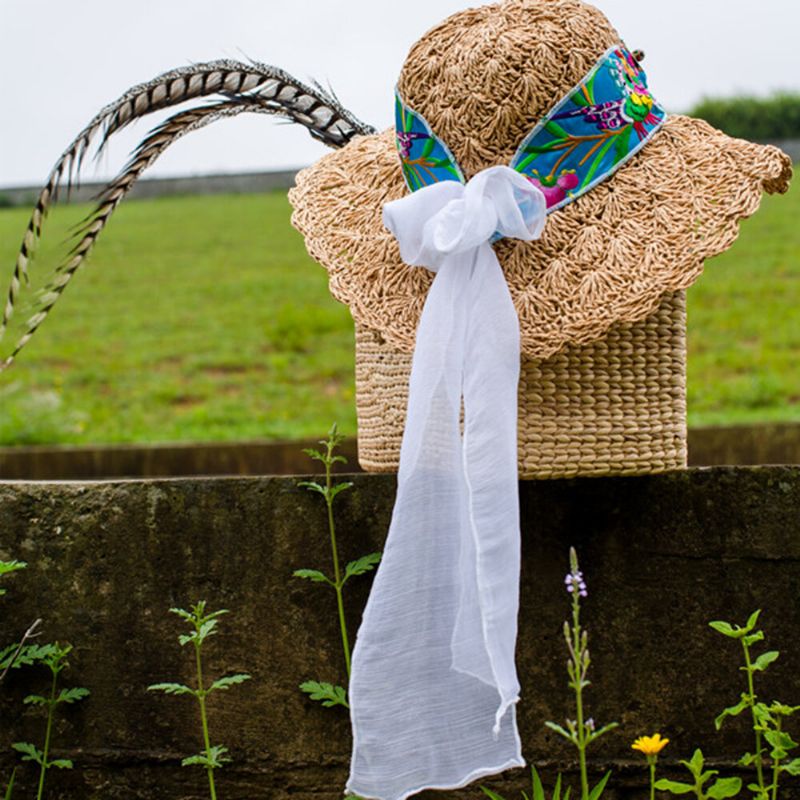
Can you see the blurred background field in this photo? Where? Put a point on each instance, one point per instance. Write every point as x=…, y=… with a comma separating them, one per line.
x=202, y=318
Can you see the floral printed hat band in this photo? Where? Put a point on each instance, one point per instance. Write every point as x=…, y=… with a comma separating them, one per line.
x=638, y=199
x=595, y=129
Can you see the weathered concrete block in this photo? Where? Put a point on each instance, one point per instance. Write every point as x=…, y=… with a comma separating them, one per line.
x=662, y=554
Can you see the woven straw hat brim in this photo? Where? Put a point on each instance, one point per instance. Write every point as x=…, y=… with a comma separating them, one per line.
x=606, y=258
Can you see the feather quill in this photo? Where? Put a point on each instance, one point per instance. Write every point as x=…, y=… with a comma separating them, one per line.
x=239, y=87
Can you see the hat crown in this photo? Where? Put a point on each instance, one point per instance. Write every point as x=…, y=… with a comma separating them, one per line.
x=484, y=77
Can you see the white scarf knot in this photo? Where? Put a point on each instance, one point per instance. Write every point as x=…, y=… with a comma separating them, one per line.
x=433, y=673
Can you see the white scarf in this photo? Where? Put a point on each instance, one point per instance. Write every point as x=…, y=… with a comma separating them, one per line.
x=434, y=685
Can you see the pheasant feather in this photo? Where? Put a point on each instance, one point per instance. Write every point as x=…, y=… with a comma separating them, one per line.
x=240, y=87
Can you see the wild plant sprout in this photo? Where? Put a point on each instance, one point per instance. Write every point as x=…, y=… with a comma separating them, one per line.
x=537, y=789
x=719, y=790
x=213, y=756
x=10, y=785
x=55, y=658
x=20, y=653
x=767, y=720
x=330, y=694
x=582, y=730
x=651, y=746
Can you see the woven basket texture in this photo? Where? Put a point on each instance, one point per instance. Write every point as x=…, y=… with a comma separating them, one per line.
x=615, y=406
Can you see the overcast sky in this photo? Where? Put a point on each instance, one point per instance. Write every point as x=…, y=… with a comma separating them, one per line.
x=63, y=61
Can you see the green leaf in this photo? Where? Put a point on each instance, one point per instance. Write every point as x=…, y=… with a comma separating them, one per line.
x=557, y=787
x=762, y=714
x=782, y=709
x=72, y=695
x=695, y=764
x=10, y=787
x=751, y=622
x=793, y=767
x=312, y=575
x=171, y=688
x=707, y=775
x=326, y=693
x=427, y=148
x=558, y=729
x=60, y=763
x=190, y=761
x=605, y=729
x=29, y=654
x=11, y=566
x=731, y=711
x=538, y=788
x=765, y=659
x=491, y=795
x=674, y=787
x=752, y=638
x=313, y=486
x=315, y=454
x=598, y=789
x=362, y=565
x=228, y=681
x=338, y=460
x=724, y=628
x=339, y=487
x=780, y=740
x=182, y=612
x=214, y=759
x=29, y=752
x=724, y=787
x=35, y=700
x=208, y=628
x=747, y=759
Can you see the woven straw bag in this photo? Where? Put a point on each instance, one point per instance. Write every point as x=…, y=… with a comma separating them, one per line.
x=616, y=405
x=601, y=296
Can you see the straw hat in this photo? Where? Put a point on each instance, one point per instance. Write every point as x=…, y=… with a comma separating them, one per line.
x=482, y=79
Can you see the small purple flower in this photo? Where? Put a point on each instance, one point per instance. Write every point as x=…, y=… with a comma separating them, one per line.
x=574, y=581
x=590, y=724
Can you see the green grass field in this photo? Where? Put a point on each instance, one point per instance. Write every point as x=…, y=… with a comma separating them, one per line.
x=202, y=318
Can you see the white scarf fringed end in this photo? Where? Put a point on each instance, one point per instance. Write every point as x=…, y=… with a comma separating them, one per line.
x=434, y=684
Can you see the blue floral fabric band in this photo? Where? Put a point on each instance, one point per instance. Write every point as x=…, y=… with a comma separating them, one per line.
x=607, y=118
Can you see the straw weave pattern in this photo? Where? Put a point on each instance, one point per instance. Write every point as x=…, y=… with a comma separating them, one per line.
x=600, y=296
x=615, y=406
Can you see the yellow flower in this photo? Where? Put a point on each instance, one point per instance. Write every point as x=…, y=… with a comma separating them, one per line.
x=650, y=745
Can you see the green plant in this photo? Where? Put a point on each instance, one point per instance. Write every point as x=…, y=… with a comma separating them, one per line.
x=20, y=653
x=54, y=658
x=719, y=790
x=10, y=786
x=580, y=732
x=537, y=789
x=327, y=693
x=204, y=625
x=767, y=720
x=758, y=118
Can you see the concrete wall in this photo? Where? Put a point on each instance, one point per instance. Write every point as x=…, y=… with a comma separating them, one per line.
x=663, y=554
